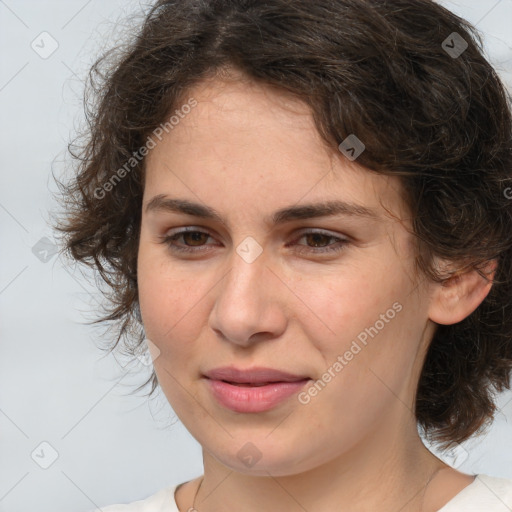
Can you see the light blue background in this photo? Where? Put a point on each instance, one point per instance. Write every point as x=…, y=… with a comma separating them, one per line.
x=55, y=386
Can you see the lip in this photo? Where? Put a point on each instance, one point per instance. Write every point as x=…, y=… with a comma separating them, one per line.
x=256, y=375
x=253, y=390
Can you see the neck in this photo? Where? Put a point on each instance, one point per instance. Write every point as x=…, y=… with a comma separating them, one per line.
x=387, y=471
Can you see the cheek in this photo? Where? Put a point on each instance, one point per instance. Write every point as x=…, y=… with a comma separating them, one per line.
x=174, y=306
x=345, y=303
x=163, y=296
x=167, y=307
x=170, y=307
x=368, y=367
x=369, y=318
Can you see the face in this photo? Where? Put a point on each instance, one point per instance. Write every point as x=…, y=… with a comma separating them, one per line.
x=331, y=299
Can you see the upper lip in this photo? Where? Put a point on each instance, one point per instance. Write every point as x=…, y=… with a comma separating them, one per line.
x=252, y=375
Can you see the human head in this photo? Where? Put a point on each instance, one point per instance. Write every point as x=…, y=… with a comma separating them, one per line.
x=439, y=124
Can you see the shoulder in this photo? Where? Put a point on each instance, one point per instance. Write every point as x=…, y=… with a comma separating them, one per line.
x=162, y=501
x=489, y=493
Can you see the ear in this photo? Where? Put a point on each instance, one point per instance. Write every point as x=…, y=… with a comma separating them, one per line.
x=457, y=297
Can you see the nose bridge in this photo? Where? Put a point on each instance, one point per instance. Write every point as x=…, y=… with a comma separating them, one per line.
x=243, y=285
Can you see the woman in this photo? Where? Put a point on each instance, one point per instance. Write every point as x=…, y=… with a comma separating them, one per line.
x=304, y=205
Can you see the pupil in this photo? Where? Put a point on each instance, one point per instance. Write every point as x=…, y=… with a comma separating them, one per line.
x=315, y=237
x=196, y=236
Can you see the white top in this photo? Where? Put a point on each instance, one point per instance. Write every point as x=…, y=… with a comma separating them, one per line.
x=486, y=493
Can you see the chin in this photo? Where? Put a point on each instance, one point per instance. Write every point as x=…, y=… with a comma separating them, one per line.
x=263, y=457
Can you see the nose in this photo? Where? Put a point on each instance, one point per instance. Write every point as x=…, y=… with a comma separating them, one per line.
x=248, y=306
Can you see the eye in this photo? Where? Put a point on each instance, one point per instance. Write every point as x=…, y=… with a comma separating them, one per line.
x=195, y=242
x=192, y=235
x=320, y=241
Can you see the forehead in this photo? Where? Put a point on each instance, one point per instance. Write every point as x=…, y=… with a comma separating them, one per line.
x=246, y=140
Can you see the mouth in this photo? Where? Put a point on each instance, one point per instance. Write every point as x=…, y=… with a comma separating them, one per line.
x=252, y=391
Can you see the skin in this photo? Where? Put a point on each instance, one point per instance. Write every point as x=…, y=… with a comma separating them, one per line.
x=247, y=150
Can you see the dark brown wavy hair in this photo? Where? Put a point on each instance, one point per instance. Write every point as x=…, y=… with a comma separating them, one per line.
x=380, y=69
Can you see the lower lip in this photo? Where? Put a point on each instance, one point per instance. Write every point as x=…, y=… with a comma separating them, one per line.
x=255, y=398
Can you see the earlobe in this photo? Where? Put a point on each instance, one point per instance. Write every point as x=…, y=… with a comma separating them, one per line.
x=456, y=298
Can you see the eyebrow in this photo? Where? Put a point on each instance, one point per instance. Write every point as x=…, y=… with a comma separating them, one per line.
x=163, y=203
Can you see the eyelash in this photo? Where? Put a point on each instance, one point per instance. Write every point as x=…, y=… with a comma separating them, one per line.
x=170, y=239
